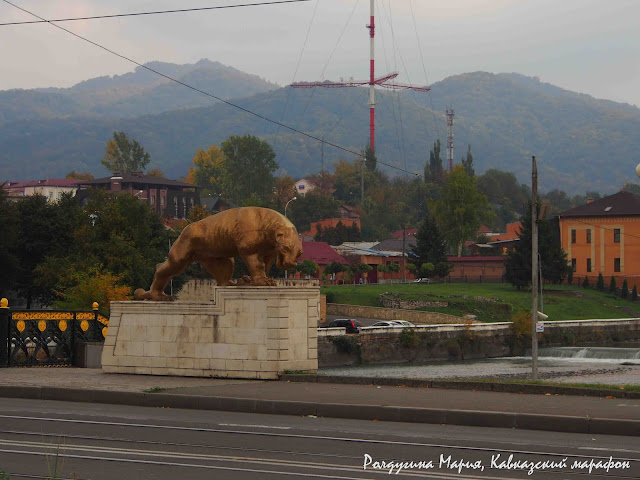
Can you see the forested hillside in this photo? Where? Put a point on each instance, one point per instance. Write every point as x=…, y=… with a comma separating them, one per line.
x=132, y=94
x=581, y=143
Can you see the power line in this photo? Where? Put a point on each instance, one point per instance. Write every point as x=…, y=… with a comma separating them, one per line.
x=158, y=12
x=226, y=102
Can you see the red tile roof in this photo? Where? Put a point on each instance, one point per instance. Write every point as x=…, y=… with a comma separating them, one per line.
x=320, y=252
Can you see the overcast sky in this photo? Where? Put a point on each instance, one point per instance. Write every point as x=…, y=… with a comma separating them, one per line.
x=588, y=46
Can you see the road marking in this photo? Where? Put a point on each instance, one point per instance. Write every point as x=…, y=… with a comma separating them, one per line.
x=314, y=437
x=61, y=451
x=253, y=426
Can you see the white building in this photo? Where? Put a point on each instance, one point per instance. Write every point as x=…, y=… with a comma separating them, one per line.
x=51, y=188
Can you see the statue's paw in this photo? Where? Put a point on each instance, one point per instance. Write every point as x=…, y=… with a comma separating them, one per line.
x=142, y=294
x=263, y=282
x=238, y=282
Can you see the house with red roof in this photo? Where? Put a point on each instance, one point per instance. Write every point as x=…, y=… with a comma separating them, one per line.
x=322, y=253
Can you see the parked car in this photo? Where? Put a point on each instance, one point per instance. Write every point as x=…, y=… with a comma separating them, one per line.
x=404, y=323
x=422, y=280
x=388, y=324
x=351, y=325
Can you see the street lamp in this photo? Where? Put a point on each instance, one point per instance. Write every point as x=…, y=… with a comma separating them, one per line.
x=285, y=207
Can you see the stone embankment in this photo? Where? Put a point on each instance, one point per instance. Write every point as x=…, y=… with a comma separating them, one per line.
x=463, y=341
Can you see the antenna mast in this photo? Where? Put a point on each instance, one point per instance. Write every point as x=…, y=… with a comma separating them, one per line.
x=373, y=81
x=450, y=115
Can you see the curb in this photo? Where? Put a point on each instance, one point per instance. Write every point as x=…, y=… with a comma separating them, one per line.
x=553, y=423
x=465, y=385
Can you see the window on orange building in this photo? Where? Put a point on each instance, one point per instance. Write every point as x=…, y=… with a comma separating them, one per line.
x=616, y=235
x=616, y=264
x=573, y=264
x=588, y=235
x=588, y=264
x=573, y=236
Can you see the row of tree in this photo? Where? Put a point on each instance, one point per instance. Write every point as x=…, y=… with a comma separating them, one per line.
x=68, y=255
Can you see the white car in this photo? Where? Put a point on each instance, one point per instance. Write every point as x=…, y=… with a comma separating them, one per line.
x=422, y=280
x=404, y=323
x=388, y=324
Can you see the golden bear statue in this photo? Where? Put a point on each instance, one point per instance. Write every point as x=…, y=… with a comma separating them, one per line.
x=259, y=236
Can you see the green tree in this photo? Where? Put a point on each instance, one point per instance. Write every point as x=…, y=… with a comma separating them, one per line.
x=45, y=229
x=625, y=289
x=370, y=159
x=467, y=163
x=553, y=258
x=156, y=172
x=311, y=208
x=125, y=155
x=323, y=183
x=247, y=174
x=600, y=284
x=339, y=234
x=460, y=209
x=206, y=171
x=612, y=285
x=9, y=260
x=634, y=293
x=118, y=235
x=73, y=175
x=347, y=177
x=585, y=282
x=92, y=285
x=284, y=190
x=334, y=268
x=307, y=268
x=431, y=247
x=503, y=189
x=361, y=268
x=433, y=171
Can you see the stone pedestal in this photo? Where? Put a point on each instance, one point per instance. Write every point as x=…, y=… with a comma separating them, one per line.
x=245, y=332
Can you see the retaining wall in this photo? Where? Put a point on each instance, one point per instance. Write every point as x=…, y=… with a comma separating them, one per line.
x=462, y=341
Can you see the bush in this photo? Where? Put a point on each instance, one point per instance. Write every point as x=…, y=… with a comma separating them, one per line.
x=585, y=282
x=408, y=338
x=634, y=294
x=600, y=284
x=570, y=277
x=345, y=344
x=521, y=324
x=625, y=289
x=612, y=285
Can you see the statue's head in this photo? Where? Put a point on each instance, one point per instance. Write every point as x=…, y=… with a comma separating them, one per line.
x=288, y=247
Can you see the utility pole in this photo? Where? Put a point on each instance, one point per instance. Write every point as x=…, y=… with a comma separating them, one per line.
x=362, y=184
x=404, y=240
x=534, y=269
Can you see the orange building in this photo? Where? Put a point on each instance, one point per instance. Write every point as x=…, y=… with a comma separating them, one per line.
x=603, y=236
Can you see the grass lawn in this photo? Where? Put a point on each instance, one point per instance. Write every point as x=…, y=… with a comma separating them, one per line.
x=561, y=302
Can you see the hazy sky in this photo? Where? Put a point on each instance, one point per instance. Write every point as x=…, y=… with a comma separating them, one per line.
x=588, y=46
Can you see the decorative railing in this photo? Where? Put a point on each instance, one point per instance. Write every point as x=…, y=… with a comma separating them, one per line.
x=47, y=337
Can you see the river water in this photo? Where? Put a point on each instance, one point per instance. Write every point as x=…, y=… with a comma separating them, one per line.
x=614, y=366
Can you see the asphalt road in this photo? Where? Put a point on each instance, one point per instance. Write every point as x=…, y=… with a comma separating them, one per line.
x=93, y=441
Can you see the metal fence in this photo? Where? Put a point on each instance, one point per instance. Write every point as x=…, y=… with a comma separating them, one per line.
x=47, y=337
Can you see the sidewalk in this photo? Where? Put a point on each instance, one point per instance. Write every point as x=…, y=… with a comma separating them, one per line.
x=566, y=413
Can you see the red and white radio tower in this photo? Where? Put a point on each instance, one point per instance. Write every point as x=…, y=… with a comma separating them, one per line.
x=382, y=82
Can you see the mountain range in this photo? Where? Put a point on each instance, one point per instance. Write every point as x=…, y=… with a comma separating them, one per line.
x=581, y=143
